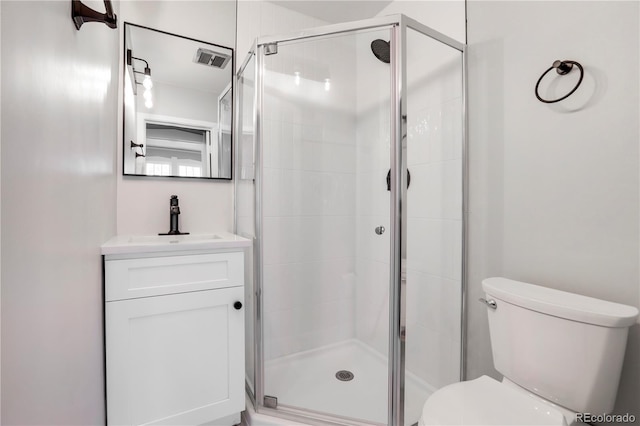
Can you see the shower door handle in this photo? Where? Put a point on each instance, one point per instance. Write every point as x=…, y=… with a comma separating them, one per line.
x=389, y=179
x=380, y=230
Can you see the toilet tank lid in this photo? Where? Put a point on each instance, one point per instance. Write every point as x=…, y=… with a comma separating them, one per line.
x=560, y=303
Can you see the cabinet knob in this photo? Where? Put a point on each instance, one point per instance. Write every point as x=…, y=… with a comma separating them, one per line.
x=237, y=305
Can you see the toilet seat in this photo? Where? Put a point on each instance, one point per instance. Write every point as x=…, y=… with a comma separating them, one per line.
x=485, y=401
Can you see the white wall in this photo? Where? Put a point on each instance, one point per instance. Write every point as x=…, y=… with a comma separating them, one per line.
x=58, y=206
x=143, y=203
x=554, y=189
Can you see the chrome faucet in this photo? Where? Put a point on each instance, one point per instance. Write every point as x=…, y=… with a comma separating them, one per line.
x=174, y=211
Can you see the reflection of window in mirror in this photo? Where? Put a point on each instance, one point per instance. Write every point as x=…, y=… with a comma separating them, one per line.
x=177, y=147
x=177, y=151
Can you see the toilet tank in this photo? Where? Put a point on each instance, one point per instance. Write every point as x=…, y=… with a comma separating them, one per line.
x=564, y=347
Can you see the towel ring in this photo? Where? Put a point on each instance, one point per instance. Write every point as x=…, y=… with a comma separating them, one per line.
x=562, y=68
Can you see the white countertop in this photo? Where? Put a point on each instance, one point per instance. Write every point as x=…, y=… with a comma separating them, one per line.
x=127, y=244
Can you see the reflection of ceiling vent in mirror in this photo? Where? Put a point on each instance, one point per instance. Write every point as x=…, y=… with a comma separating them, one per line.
x=211, y=58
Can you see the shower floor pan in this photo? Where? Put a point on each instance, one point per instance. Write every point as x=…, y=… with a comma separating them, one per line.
x=307, y=380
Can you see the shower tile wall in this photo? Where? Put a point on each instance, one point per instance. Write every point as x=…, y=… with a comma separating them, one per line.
x=434, y=210
x=309, y=197
x=372, y=202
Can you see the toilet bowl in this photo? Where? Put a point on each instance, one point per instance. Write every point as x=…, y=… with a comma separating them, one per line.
x=559, y=353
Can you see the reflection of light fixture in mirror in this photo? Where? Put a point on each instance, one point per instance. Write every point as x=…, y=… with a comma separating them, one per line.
x=147, y=83
x=297, y=78
x=327, y=84
x=148, y=98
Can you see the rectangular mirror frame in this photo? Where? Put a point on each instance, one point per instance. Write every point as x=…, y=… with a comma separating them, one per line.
x=231, y=88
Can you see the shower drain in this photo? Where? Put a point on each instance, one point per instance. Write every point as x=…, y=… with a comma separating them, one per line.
x=344, y=375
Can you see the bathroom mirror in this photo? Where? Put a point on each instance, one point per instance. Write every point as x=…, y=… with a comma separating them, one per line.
x=178, y=98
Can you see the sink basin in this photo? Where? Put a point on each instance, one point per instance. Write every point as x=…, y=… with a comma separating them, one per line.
x=172, y=239
x=133, y=244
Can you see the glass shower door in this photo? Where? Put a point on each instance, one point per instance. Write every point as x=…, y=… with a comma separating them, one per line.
x=434, y=158
x=324, y=151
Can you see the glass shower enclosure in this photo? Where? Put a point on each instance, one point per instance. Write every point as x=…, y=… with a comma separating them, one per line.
x=350, y=153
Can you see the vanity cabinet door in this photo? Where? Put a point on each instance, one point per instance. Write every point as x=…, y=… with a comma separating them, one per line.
x=175, y=359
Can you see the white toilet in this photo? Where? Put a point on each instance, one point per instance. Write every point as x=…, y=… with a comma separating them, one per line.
x=560, y=354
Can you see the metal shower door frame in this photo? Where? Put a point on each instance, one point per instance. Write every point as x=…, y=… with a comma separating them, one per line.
x=398, y=24
x=236, y=137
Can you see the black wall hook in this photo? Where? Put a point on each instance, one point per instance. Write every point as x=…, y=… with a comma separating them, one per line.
x=81, y=13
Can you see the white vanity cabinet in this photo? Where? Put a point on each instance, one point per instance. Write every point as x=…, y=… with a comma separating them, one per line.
x=174, y=327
